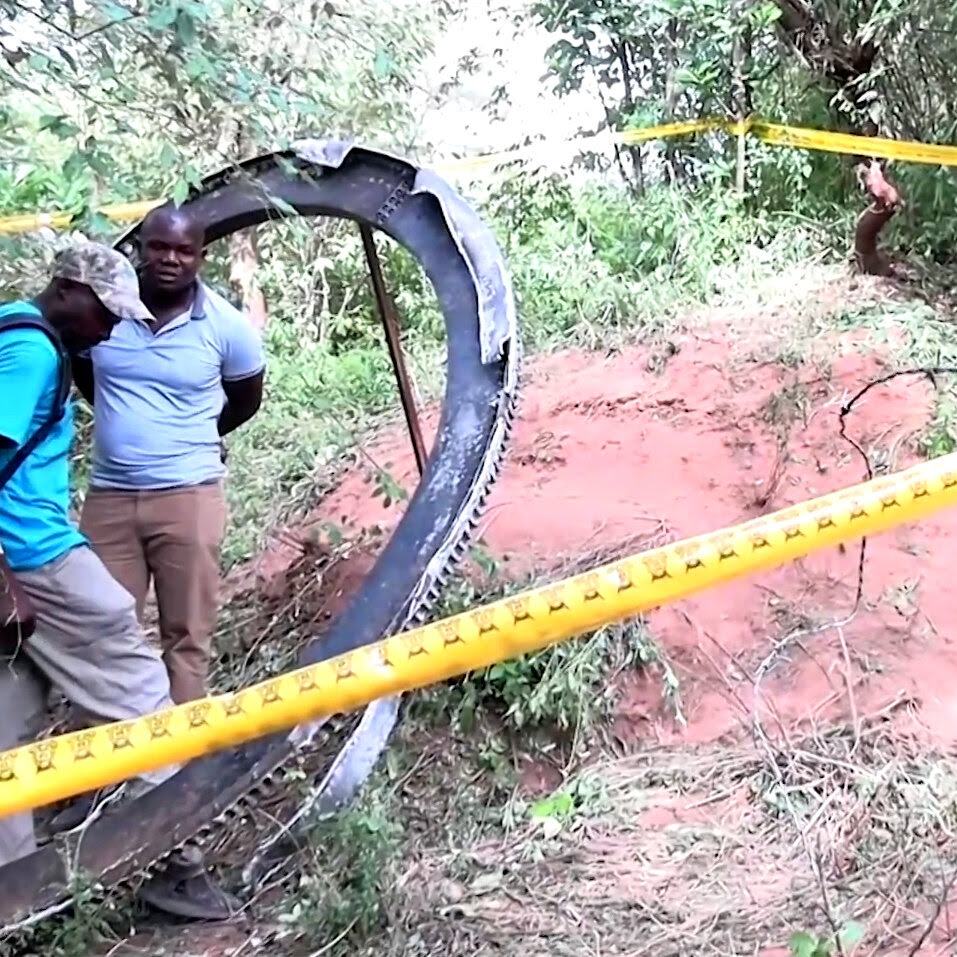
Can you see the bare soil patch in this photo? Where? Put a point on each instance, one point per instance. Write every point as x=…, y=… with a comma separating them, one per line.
x=606, y=450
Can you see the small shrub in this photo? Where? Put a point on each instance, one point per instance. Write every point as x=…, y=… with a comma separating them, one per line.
x=343, y=889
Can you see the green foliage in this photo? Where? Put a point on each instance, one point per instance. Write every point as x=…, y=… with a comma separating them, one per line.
x=887, y=66
x=580, y=798
x=804, y=944
x=186, y=81
x=104, y=103
x=657, y=61
x=563, y=687
x=594, y=264
x=928, y=343
x=344, y=887
x=28, y=187
x=89, y=921
x=925, y=228
x=316, y=407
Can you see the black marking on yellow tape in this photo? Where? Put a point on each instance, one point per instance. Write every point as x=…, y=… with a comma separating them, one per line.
x=120, y=736
x=307, y=682
x=42, y=754
x=344, y=669
x=726, y=549
x=450, y=634
x=159, y=726
x=691, y=557
x=81, y=746
x=485, y=620
x=555, y=597
x=198, y=715
x=518, y=608
x=414, y=645
x=657, y=567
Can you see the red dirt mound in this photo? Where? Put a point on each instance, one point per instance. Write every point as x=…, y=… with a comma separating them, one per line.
x=613, y=449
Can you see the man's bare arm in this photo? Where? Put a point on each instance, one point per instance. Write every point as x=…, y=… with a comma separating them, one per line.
x=243, y=399
x=83, y=376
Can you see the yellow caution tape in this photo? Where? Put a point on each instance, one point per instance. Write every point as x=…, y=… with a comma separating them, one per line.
x=57, y=768
x=550, y=147
x=851, y=145
x=670, y=130
x=773, y=134
x=28, y=222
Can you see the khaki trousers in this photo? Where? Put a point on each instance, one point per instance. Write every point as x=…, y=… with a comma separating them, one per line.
x=173, y=538
x=89, y=645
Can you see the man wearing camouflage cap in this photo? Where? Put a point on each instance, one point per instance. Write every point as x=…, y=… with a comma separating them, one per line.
x=88, y=643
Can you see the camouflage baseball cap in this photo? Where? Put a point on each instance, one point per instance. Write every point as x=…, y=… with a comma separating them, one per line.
x=108, y=273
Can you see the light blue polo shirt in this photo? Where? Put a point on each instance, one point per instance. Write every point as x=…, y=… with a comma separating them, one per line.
x=35, y=526
x=157, y=397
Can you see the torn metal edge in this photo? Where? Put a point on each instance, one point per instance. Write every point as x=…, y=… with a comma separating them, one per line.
x=474, y=240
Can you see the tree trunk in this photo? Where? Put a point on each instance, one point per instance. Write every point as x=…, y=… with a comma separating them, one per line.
x=635, y=181
x=824, y=47
x=672, y=162
x=634, y=151
x=244, y=254
x=243, y=245
x=741, y=90
x=885, y=202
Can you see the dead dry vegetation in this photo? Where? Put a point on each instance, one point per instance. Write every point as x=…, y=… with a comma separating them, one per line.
x=845, y=833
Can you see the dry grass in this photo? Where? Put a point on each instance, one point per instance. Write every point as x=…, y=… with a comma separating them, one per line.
x=261, y=632
x=713, y=851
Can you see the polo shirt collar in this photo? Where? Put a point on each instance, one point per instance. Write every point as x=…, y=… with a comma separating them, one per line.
x=199, y=301
x=198, y=310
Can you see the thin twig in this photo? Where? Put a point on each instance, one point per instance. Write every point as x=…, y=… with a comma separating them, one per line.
x=851, y=700
x=932, y=922
x=332, y=943
x=826, y=900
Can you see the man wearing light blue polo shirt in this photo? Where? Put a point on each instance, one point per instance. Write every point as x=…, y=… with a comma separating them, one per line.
x=164, y=393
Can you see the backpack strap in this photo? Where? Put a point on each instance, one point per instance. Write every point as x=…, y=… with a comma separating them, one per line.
x=28, y=320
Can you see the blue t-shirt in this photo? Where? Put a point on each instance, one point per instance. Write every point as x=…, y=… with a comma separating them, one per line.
x=158, y=396
x=35, y=526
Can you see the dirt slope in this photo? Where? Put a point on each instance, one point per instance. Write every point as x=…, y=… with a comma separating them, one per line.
x=623, y=447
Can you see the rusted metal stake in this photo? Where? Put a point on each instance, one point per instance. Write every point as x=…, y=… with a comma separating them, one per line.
x=394, y=340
